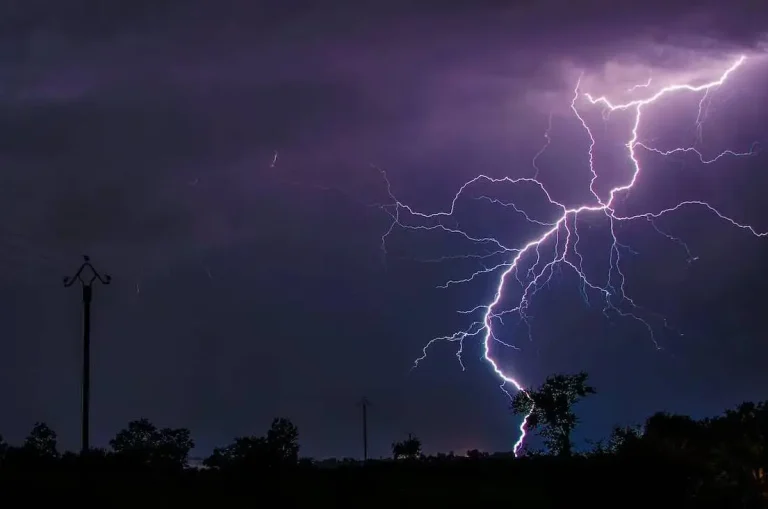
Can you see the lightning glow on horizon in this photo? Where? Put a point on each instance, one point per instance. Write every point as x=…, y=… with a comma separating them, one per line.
x=532, y=268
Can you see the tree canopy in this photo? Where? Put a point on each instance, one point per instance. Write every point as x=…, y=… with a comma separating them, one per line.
x=42, y=441
x=551, y=409
x=143, y=443
x=410, y=448
x=278, y=449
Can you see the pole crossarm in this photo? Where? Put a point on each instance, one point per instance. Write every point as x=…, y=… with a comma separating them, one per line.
x=83, y=278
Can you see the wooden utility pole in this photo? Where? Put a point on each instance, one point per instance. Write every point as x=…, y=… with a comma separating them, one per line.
x=364, y=404
x=86, y=280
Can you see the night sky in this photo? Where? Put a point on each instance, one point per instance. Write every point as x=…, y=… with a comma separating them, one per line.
x=143, y=133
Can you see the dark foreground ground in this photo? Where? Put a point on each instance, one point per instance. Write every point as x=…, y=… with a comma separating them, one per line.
x=529, y=483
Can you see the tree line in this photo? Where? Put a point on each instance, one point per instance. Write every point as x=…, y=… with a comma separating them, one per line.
x=721, y=459
x=142, y=445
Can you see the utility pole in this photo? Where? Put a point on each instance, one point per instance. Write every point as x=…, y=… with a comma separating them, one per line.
x=86, y=275
x=364, y=404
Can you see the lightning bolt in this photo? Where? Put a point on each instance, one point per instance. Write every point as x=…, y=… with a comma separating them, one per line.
x=641, y=85
x=533, y=264
x=544, y=147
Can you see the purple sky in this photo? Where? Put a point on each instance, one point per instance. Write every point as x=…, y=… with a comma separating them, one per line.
x=142, y=133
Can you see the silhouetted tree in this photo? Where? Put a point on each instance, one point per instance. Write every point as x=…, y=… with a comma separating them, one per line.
x=739, y=451
x=41, y=442
x=283, y=441
x=244, y=452
x=410, y=448
x=143, y=443
x=623, y=439
x=674, y=435
x=280, y=448
x=474, y=454
x=551, y=409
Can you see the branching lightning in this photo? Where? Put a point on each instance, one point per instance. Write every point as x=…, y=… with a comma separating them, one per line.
x=532, y=264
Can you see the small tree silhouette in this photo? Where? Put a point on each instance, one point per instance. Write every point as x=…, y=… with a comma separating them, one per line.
x=410, y=448
x=283, y=441
x=624, y=439
x=280, y=448
x=551, y=408
x=243, y=453
x=475, y=454
x=41, y=442
x=143, y=443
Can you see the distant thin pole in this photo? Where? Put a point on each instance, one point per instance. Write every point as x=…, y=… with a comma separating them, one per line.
x=364, y=404
x=86, y=281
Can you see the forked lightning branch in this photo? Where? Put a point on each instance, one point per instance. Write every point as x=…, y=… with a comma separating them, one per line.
x=528, y=267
